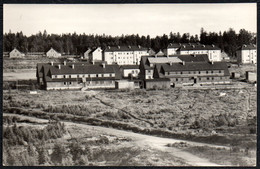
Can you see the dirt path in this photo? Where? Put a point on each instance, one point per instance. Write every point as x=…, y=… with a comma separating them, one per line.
x=152, y=142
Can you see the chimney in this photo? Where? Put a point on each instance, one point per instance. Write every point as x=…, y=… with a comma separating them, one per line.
x=213, y=45
x=203, y=46
x=212, y=62
x=93, y=62
x=118, y=47
x=59, y=66
x=170, y=44
x=139, y=46
x=193, y=46
x=65, y=62
x=52, y=63
x=184, y=46
x=104, y=65
x=129, y=47
x=183, y=62
x=72, y=66
x=170, y=63
x=194, y=54
x=108, y=47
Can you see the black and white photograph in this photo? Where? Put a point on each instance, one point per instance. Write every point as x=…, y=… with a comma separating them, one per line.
x=129, y=84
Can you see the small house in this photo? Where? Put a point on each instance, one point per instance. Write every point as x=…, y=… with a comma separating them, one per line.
x=15, y=53
x=53, y=53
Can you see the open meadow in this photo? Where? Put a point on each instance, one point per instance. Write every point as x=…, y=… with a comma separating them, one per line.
x=219, y=117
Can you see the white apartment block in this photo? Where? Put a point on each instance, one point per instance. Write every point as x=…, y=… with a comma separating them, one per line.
x=247, y=54
x=124, y=55
x=213, y=52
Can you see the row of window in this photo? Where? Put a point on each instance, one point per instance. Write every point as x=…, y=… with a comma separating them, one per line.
x=91, y=82
x=89, y=75
x=194, y=72
x=208, y=78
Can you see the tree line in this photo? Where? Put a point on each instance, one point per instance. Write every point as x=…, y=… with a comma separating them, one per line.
x=227, y=41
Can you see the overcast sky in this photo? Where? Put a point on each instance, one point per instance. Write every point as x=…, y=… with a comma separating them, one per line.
x=118, y=19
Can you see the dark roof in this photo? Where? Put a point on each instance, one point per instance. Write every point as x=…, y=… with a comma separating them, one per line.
x=196, y=66
x=124, y=48
x=80, y=79
x=247, y=47
x=45, y=70
x=198, y=47
x=177, y=45
x=129, y=66
x=194, y=58
x=78, y=69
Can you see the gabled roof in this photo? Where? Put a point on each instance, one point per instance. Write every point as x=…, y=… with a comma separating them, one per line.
x=177, y=58
x=154, y=60
x=177, y=45
x=196, y=66
x=247, y=47
x=124, y=48
x=17, y=50
x=52, y=49
x=194, y=58
x=78, y=69
x=198, y=47
x=46, y=70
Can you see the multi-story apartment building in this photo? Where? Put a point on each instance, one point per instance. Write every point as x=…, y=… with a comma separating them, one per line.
x=213, y=52
x=124, y=55
x=173, y=47
x=247, y=54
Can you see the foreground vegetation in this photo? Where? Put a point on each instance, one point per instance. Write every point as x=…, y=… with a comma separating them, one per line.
x=203, y=116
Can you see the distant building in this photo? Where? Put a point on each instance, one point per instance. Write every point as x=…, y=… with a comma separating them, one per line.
x=124, y=55
x=160, y=53
x=55, y=76
x=193, y=73
x=151, y=52
x=173, y=47
x=212, y=51
x=95, y=54
x=147, y=63
x=182, y=70
x=130, y=71
x=53, y=53
x=86, y=54
x=15, y=53
x=247, y=54
x=224, y=56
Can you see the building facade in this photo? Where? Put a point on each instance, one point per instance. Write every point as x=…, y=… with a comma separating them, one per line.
x=95, y=54
x=247, y=54
x=124, y=55
x=130, y=71
x=86, y=54
x=58, y=76
x=15, y=53
x=193, y=73
x=53, y=53
x=213, y=52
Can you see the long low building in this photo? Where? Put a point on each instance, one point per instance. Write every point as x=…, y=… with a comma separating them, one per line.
x=55, y=76
x=183, y=70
